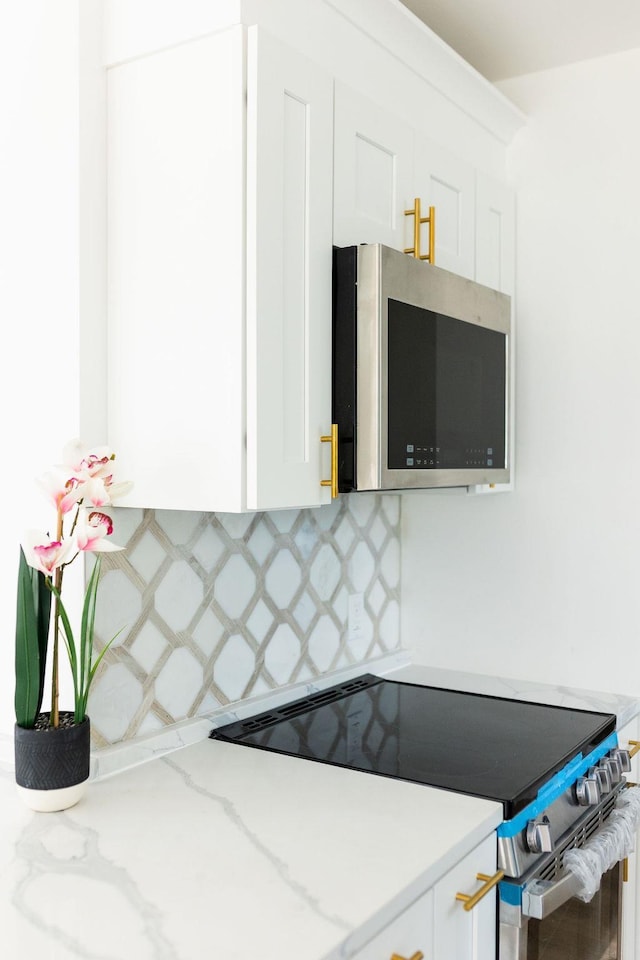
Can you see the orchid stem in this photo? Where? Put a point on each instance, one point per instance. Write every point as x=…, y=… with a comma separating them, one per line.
x=55, y=681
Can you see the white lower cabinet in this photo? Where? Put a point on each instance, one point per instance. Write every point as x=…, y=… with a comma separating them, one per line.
x=220, y=169
x=409, y=934
x=437, y=926
x=467, y=934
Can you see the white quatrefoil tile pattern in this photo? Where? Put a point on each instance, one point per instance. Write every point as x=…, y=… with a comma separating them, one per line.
x=217, y=608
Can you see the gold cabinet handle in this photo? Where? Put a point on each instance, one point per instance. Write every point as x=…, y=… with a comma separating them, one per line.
x=635, y=747
x=333, y=440
x=418, y=220
x=418, y=955
x=488, y=884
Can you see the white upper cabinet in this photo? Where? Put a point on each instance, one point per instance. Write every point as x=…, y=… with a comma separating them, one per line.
x=219, y=249
x=240, y=148
x=373, y=172
x=447, y=184
x=495, y=234
x=382, y=164
x=289, y=223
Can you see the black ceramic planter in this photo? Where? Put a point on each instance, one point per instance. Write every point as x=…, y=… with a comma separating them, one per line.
x=52, y=764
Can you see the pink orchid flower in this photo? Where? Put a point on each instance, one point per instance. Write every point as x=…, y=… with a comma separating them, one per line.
x=101, y=491
x=45, y=554
x=91, y=531
x=93, y=473
x=63, y=491
x=88, y=462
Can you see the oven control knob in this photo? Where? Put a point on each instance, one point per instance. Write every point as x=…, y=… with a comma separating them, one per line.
x=539, y=838
x=614, y=766
x=587, y=791
x=603, y=776
x=624, y=758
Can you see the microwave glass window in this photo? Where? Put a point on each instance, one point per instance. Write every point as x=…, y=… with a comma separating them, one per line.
x=446, y=392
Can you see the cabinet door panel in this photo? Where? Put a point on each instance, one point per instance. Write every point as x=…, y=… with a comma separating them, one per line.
x=410, y=932
x=175, y=277
x=467, y=935
x=372, y=172
x=495, y=234
x=443, y=181
x=289, y=176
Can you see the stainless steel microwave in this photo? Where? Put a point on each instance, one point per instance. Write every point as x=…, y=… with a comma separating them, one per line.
x=421, y=369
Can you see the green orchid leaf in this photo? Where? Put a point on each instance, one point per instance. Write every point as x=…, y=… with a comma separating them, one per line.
x=32, y=632
x=67, y=635
x=86, y=639
x=88, y=619
x=95, y=666
x=43, y=613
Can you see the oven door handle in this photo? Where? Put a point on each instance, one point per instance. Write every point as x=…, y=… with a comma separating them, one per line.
x=541, y=897
x=608, y=845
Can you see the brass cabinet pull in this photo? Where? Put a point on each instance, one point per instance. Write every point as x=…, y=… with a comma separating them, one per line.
x=488, y=884
x=418, y=955
x=418, y=219
x=625, y=870
x=635, y=747
x=333, y=440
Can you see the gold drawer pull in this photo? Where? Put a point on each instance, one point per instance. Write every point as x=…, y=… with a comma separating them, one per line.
x=418, y=220
x=488, y=884
x=333, y=440
x=635, y=747
x=418, y=955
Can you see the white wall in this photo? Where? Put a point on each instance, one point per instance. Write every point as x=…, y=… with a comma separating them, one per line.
x=540, y=582
x=39, y=278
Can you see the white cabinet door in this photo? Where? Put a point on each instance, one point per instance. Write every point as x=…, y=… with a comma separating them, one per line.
x=382, y=164
x=467, y=935
x=175, y=273
x=409, y=934
x=289, y=196
x=437, y=925
x=495, y=234
x=446, y=183
x=219, y=293
x=373, y=168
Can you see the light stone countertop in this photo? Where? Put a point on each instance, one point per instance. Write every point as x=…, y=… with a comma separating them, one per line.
x=212, y=849
x=625, y=708
x=219, y=850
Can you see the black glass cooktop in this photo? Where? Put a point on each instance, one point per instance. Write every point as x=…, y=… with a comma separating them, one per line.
x=488, y=747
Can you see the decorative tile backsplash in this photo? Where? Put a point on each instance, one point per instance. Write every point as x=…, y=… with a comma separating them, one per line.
x=217, y=608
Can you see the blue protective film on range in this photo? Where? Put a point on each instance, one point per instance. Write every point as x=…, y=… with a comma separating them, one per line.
x=510, y=893
x=556, y=787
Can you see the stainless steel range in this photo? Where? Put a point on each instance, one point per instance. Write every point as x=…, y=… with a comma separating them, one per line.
x=558, y=773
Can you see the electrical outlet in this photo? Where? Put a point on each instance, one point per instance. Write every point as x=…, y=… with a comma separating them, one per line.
x=355, y=625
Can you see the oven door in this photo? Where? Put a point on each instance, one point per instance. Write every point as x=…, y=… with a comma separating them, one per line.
x=543, y=917
x=570, y=929
x=553, y=924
